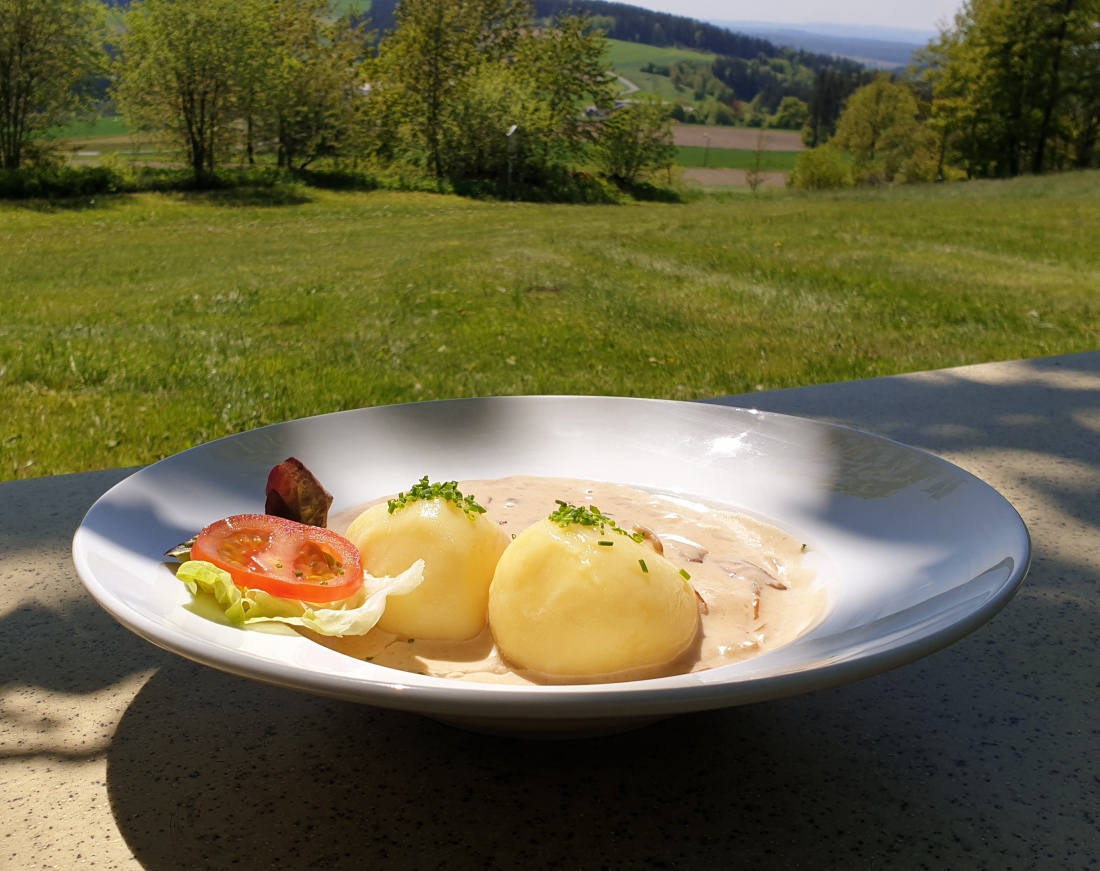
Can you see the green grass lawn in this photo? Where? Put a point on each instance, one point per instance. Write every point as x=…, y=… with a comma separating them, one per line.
x=98, y=127
x=632, y=56
x=136, y=326
x=735, y=158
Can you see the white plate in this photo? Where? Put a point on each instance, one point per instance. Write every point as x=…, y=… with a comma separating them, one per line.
x=917, y=553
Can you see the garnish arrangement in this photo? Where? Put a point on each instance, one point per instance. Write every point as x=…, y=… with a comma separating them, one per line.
x=567, y=514
x=591, y=516
x=422, y=491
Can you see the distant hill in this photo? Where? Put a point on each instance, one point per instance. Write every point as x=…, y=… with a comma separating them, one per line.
x=878, y=47
x=907, y=35
x=634, y=24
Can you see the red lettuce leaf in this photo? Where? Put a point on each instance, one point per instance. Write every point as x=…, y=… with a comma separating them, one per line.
x=294, y=493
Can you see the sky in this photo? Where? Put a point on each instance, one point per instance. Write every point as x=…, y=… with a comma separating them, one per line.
x=920, y=15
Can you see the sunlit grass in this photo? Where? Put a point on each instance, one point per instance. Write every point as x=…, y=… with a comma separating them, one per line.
x=735, y=158
x=632, y=56
x=136, y=326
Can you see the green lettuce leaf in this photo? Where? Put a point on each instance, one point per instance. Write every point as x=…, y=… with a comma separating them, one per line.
x=356, y=615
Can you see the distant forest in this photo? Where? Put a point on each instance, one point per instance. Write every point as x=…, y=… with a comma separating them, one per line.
x=633, y=24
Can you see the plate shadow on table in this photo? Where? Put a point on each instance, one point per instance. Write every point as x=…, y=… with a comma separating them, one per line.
x=207, y=770
x=261, y=777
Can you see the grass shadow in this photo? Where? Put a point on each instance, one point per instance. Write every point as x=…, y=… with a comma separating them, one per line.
x=86, y=203
x=651, y=193
x=567, y=186
x=251, y=197
x=72, y=187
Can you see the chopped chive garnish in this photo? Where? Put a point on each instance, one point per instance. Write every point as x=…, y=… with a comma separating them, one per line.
x=685, y=575
x=423, y=491
x=606, y=543
x=567, y=514
x=645, y=569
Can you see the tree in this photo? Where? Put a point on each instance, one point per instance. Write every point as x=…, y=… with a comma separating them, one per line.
x=1015, y=83
x=565, y=67
x=754, y=176
x=635, y=140
x=50, y=53
x=1080, y=111
x=180, y=69
x=425, y=67
x=483, y=139
x=312, y=81
x=879, y=128
x=792, y=114
x=455, y=77
x=830, y=89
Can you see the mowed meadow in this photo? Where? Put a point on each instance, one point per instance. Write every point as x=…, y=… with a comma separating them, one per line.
x=136, y=326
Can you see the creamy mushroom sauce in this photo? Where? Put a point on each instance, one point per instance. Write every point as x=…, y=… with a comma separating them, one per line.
x=756, y=593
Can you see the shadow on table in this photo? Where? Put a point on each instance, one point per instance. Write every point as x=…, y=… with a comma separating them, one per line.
x=207, y=771
x=1050, y=408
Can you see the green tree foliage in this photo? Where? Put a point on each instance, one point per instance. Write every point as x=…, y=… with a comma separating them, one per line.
x=180, y=68
x=792, y=114
x=427, y=68
x=1017, y=84
x=221, y=75
x=879, y=129
x=564, y=66
x=454, y=78
x=313, y=84
x=1080, y=111
x=831, y=88
x=765, y=80
x=699, y=78
x=635, y=140
x=50, y=53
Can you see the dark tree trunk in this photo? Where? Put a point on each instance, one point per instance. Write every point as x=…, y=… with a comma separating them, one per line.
x=1053, y=91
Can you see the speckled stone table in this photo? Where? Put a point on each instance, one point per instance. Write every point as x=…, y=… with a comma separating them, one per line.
x=114, y=754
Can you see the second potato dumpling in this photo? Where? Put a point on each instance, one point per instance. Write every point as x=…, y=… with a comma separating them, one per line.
x=574, y=596
x=460, y=548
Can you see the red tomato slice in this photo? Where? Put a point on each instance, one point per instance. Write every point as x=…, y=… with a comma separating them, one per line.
x=282, y=557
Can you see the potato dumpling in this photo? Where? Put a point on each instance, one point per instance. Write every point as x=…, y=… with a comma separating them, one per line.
x=460, y=550
x=583, y=601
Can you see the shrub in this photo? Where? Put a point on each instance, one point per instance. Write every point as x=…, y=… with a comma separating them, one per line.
x=63, y=181
x=820, y=168
x=635, y=141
